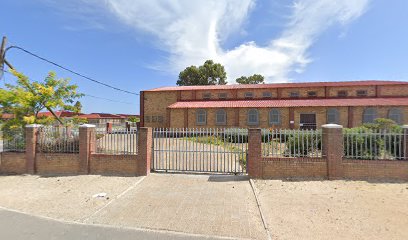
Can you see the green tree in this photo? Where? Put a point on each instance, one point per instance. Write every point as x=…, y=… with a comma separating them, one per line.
x=77, y=107
x=209, y=73
x=254, y=79
x=133, y=119
x=26, y=99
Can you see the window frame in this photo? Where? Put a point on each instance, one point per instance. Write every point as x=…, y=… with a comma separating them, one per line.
x=278, y=113
x=366, y=114
x=201, y=112
x=256, y=113
x=336, y=114
x=294, y=94
x=218, y=113
x=248, y=95
x=311, y=94
x=361, y=93
x=266, y=94
x=222, y=95
x=207, y=96
x=400, y=115
x=342, y=95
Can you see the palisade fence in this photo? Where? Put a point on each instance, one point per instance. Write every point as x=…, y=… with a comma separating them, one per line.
x=58, y=140
x=374, y=145
x=283, y=143
x=12, y=140
x=200, y=149
x=117, y=141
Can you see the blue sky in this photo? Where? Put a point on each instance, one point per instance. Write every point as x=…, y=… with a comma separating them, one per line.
x=137, y=45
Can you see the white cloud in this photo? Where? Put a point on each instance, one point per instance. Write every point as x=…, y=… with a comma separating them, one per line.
x=191, y=32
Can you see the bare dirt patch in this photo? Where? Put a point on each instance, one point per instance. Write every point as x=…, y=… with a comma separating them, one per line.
x=334, y=209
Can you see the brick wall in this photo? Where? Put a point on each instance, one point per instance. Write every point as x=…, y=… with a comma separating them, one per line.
x=12, y=163
x=401, y=90
x=113, y=164
x=57, y=163
x=278, y=168
x=375, y=169
x=155, y=105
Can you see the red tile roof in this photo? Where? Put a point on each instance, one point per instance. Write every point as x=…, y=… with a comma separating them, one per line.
x=281, y=85
x=101, y=115
x=293, y=103
x=6, y=116
x=58, y=113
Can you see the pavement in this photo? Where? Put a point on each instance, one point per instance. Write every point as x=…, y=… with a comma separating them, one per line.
x=208, y=205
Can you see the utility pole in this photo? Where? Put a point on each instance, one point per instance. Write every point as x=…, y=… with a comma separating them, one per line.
x=2, y=53
x=4, y=61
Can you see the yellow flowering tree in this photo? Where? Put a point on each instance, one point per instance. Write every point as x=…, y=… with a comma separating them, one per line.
x=26, y=99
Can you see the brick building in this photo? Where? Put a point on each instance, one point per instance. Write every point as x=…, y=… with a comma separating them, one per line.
x=281, y=105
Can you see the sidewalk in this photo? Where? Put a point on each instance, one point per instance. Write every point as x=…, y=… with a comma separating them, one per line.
x=213, y=205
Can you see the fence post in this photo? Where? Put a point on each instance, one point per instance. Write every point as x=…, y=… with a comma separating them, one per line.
x=86, y=146
x=254, y=158
x=144, y=151
x=332, y=148
x=109, y=127
x=405, y=142
x=31, y=143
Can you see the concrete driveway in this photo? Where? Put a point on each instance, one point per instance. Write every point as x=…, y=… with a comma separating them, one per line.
x=209, y=205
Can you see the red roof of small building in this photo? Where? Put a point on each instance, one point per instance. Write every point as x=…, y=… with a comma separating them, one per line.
x=101, y=115
x=281, y=85
x=293, y=103
x=7, y=116
x=61, y=114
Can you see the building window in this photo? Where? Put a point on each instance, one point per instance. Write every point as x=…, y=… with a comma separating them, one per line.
x=311, y=94
x=342, y=93
x=253, y=117
x=222, y=95
x=201, y=117
x=206, y=96
x=274, y=117
x=154, y=118
x=395, y=114
x=221, y=117
x=369, y=115
x=333, y=116
x=361, y=93
x=249, y=95
x=267, y=94
x=160, y=119
x=294, y=94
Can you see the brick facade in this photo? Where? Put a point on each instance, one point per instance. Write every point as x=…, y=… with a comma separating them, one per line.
x=12, y=163
x=156, y=112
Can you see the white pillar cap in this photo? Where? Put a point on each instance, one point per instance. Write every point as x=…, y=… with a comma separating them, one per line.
x=33, y=126
x=331, y=126
x=87, y=126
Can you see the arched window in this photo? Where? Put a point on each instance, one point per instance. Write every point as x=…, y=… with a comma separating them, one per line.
x=201, y=117
x=220, y=117
x=369, y=115
x=333, y=116
x=253, y=118
x=274, y=117
x=395, y=114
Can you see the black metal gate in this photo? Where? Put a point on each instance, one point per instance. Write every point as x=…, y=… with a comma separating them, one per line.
x=200, y=150
x=307, y=121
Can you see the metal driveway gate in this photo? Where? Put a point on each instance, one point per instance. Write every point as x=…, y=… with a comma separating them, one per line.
x=200, y=150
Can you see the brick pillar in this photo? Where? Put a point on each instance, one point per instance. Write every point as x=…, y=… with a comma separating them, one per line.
x=332, y=148
x=87, y=143
x=31, y=132
x=144, y=151
x=109, y=127
x=254, y=156
x=405, y=142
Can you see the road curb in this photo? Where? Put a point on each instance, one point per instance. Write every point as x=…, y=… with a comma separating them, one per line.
x=260, y=209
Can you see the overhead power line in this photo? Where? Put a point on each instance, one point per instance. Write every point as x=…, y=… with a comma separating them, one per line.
x=92, y=96
x=69, y=70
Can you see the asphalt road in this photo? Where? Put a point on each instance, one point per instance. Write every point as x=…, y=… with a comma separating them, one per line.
x=14, y=225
